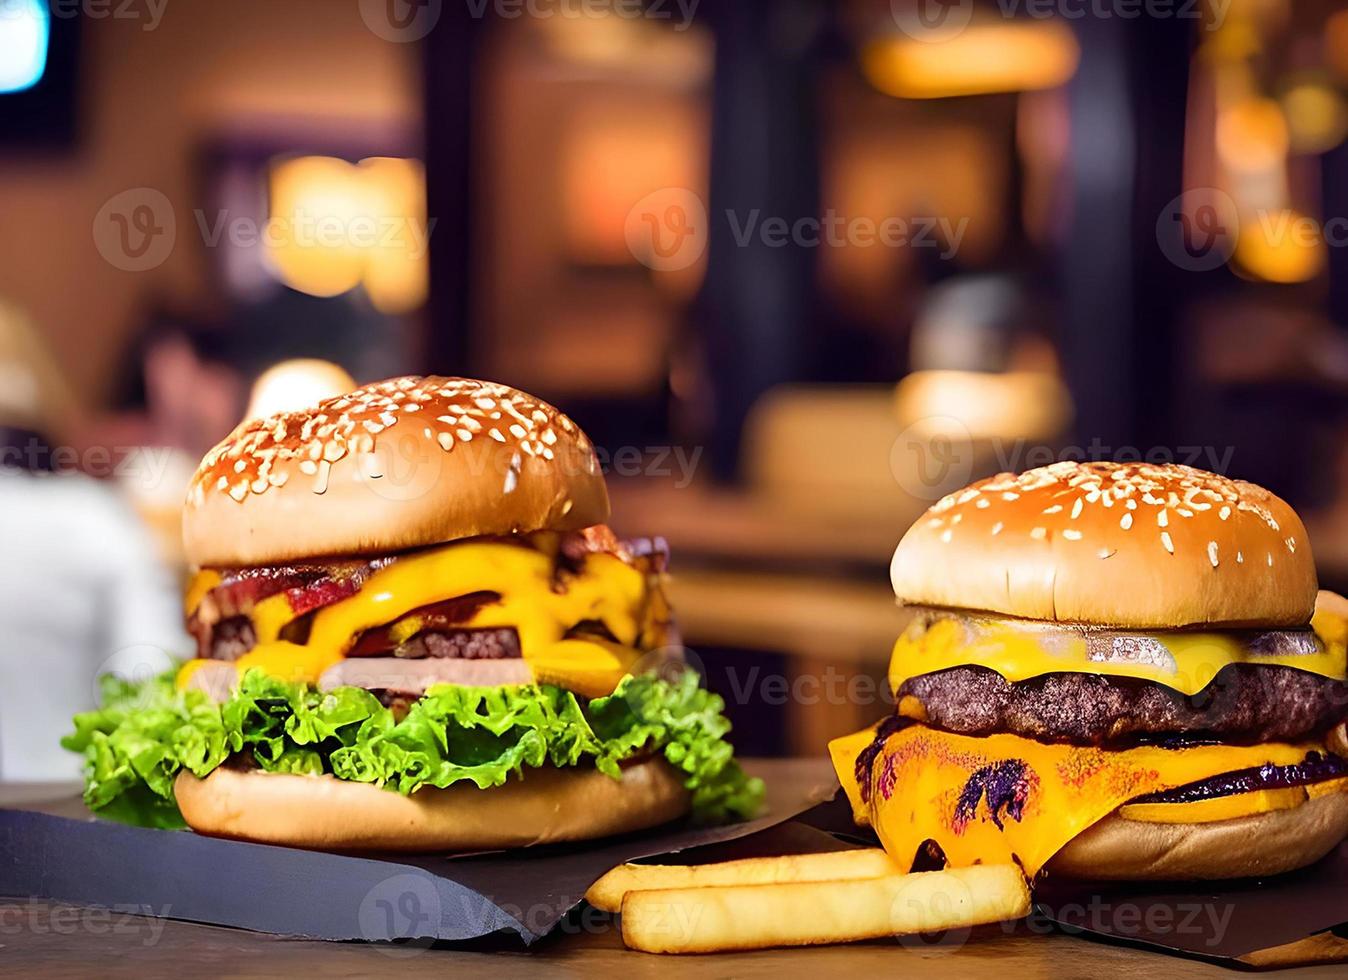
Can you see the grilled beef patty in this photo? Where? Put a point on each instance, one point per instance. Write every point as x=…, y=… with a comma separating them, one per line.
x=1244, y=703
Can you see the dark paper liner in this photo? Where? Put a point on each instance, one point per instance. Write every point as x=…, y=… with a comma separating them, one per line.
x=285, y=891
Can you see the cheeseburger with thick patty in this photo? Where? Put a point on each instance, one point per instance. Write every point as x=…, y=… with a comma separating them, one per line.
x=415, y=633
x=1113, y=671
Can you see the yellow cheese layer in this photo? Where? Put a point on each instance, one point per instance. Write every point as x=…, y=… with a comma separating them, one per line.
x=1020, y=651
x=605, y=589
x=1231, y=807
x=1003, y=798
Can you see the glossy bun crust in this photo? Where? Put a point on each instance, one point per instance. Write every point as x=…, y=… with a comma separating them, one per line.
x=1126, y=545
x=394, y=465
x=1244, y=847
x=324, y=813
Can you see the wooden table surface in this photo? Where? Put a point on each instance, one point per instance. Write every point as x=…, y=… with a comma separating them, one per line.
x=52, y=939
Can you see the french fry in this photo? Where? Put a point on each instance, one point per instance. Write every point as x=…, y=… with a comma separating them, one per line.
x=871, y=862
x=718, y=918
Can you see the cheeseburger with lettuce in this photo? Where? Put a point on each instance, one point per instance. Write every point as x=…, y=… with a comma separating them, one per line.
x=1112, y=671
x=415, y=633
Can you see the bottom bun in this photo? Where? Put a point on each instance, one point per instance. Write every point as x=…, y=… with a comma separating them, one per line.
x=330, y=814
x=1260, y=844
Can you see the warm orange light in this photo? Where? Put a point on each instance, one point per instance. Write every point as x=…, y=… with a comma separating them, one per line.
x=294, y=385
x=334, y=225
x=1252, y=136
x=1316, y=116
x=982, y=405
x=1281, y=246
x=981, y=59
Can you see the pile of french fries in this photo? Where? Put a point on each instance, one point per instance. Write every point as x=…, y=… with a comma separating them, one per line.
x=801, y=900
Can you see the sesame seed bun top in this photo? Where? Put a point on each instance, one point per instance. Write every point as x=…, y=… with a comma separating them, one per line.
x=394, y=465
x=1126, y=545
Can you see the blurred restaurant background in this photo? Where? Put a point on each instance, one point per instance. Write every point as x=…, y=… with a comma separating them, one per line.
x=799, y=267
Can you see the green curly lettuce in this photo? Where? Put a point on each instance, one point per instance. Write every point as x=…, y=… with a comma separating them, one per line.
x=146, y=733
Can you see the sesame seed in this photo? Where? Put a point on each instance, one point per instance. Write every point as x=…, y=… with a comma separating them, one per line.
x=446, y=440
x=1126, y=521
x=1224, y=513
x=1039, y=533
x=1167, y=543
x=1240, y=558
x=566, y=506
x=308, y=467
x=1212, y=553
x=1106, y=553
x=1010, y=495
x=1292, y=545
x=1076, y=508
x=1056, y=508
x=945, y=535
x=1072, y=534
x=517, y=430
x=321, y=481
x=997, y=528
x=495, y=433
x=981, y=503
x=1163, y=518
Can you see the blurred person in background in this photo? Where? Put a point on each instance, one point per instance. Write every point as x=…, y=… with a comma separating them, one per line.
x=82, y=589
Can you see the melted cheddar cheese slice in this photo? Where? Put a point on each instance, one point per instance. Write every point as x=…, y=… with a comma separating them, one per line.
x=1233, y=806
x=604, y=589
x=1020, y=650
x=1003, y=798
